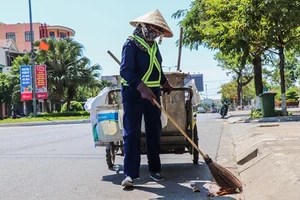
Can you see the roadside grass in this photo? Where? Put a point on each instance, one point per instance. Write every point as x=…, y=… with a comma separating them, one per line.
x=42, y=119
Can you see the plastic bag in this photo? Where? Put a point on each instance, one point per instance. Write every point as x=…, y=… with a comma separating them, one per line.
x=163, y=118
x=196, y=96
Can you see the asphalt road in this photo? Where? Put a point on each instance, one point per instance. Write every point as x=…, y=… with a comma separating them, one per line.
x=60, y=162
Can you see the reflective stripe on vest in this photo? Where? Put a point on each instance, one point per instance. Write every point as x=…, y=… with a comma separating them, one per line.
x=153, y=61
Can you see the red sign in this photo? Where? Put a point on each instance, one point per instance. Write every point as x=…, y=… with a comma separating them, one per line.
x=26, y=96
x=41, y=82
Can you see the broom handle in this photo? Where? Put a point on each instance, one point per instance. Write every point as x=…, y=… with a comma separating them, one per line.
x=182, y=131
x=114, y=57
x=167, y=114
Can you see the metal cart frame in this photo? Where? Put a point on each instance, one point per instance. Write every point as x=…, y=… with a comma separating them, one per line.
x=171, y=141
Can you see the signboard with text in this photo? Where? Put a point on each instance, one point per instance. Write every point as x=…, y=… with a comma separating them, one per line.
x=198, y=80
x=41, y=82
x=26, y=83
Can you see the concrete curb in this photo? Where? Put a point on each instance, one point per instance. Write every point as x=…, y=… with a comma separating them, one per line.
x=265, y=156
x=265, y=119
x=46, y=123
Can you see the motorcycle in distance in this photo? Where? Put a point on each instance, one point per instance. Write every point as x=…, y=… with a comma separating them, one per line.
x=224, y=109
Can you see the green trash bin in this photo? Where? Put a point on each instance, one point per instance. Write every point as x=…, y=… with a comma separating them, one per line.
x=267, y=103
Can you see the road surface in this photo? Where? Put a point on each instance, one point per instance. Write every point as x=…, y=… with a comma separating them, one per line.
x=60, y=162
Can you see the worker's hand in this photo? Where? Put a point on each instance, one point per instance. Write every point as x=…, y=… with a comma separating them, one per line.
x=146, y=92
x=167, y=87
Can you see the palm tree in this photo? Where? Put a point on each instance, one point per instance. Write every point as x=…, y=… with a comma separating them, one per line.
x=67, y=68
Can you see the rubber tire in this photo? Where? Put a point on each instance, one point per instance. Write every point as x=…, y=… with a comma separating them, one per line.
x=195, y=151
x=110, y=155
x=223, y=113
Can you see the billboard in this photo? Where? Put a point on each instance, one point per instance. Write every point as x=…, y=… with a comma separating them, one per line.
x=198, y=80
x=26, y=83
x=41, y=82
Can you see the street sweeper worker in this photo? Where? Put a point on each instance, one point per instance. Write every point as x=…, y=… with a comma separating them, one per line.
x=142, y=77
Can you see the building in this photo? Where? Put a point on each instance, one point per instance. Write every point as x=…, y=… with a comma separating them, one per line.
x=15, y=40
x=21, y=34
x=8, y=52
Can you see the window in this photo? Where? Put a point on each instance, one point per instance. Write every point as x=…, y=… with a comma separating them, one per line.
x=52, y=34
x=63, y=35
x=11, y=36
x=28, y=36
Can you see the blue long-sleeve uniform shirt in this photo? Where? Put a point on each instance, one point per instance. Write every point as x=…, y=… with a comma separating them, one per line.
x=134, y=64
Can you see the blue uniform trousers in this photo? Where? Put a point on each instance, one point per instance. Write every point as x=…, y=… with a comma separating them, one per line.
x=133, y=111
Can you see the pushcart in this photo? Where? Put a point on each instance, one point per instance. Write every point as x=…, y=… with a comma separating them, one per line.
x=179, y=106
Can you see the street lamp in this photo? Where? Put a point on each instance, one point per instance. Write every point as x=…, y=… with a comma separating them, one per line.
x=32, y=62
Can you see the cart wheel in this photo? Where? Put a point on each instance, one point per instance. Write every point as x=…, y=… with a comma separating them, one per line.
x=195, y=151
x=110, y=155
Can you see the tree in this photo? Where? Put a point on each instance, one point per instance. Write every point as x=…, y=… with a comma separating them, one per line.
x=5, y=92
x=230, y=26
x=291, y=66
x=67, y=68
x=91, y=90
x=283, y=21
x=236, y=64
x=229, y=91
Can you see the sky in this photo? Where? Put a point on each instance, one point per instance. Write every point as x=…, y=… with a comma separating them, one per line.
x=104, y=25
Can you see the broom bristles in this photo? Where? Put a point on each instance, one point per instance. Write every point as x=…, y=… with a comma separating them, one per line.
x=223, y=177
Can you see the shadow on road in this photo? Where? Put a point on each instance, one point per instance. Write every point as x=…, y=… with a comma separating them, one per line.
x=178, y=183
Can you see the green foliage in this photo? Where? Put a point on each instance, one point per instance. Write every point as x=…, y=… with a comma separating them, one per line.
x=247, y=27
x=74, y=106
x=63, y=114
x=205, y=105
x=67, y=70
x=291, y=71
x=255, y=114
x=229, y=90
x=5, y=89
x=292, y=94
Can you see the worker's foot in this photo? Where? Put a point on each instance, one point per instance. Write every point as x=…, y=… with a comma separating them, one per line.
x=127, y=182
x=157, y=176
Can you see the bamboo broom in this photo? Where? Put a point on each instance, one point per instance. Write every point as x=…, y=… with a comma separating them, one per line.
x=223, y=177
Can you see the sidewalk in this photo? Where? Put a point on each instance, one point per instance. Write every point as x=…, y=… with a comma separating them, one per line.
x=266, y=155
x=243, y=117
x=45, y=123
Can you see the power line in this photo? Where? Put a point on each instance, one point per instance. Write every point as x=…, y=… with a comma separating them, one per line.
x=217, y=80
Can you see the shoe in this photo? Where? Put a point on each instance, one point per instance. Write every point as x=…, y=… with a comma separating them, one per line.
x=157, y=177
x=127, y=182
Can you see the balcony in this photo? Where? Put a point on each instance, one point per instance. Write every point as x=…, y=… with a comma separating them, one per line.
x=60, y=29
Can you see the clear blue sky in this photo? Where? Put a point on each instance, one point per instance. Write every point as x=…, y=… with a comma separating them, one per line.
x=104, y=25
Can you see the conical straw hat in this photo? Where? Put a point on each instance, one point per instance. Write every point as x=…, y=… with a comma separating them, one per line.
x=154, y=18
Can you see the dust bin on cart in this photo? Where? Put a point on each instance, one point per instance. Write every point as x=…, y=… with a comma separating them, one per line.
x=267, y=102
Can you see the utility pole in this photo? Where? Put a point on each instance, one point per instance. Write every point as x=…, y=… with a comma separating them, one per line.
x=179, y=49
x=206, y=90
x=32, y=62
